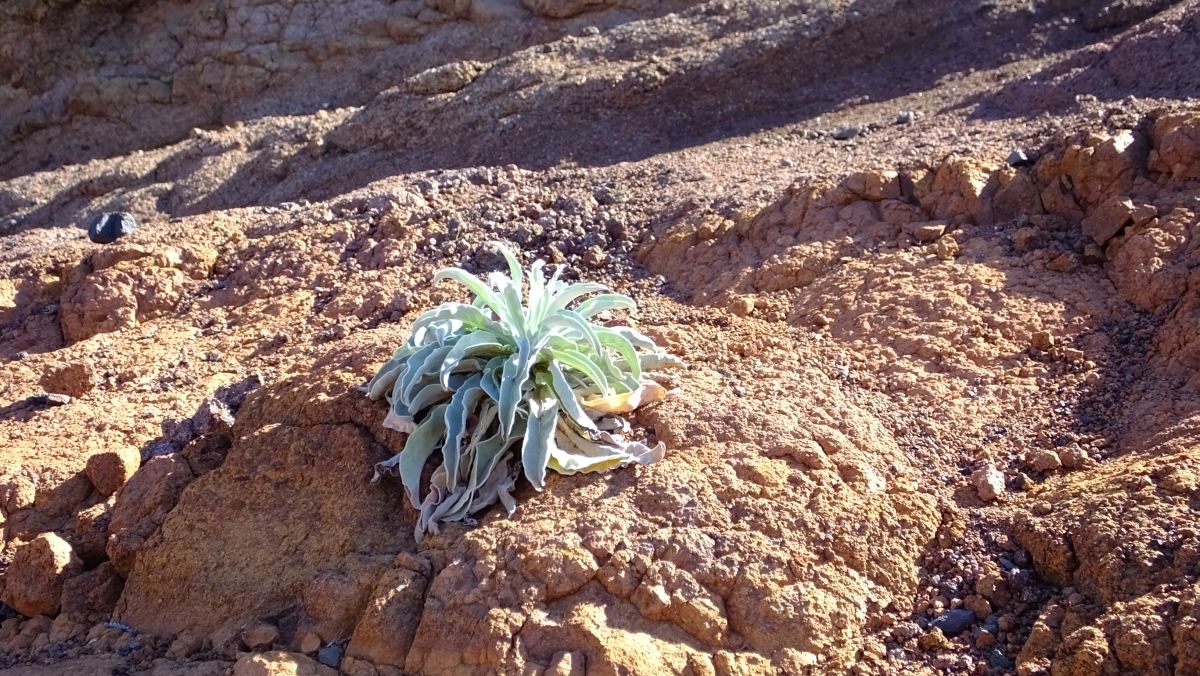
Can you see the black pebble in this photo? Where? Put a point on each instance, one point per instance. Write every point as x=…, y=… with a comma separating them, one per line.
x=998, y=660
x=954, y=622
x=330, y=655
x=1018, y=158
x=109, y=227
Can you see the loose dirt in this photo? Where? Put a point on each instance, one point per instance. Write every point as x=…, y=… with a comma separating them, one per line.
x=942, y=402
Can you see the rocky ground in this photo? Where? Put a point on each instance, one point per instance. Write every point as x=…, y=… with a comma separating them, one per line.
x=932, y=266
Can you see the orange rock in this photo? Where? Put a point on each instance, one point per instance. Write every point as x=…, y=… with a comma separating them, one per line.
x=142, y=505
x=1108, y=219
x=279, y=663
x=259, y=636
x=75, y=380
x=385, y=631
x=283, y=478
x=109, y=470
x=33, y=582
x=93, y=593
x=87, y=531
x=1176, y=141
x=1103, y=166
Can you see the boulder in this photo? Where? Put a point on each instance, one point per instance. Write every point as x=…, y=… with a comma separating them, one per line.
x=93, y=593
x=1176, y=140
x=34, y=580
x=385, y=631
x=287, y=519
x=87, y=531
x=142, y=505
x=109, y=470
x=259, y=636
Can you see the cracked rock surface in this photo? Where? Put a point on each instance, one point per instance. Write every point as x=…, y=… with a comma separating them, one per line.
x=941, y=408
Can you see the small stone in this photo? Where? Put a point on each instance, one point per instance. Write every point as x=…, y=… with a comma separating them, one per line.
x=1044, y=460
x=1143, y=213
x=309, y=642
x=330, y=655
x=34, y=580
x=111, y=226
x=1042, y=340
x=594, y=256
x=109, y=470
x=998, y=660
x=1006, y=623
x=985, y=639
x=934, y=641
x=1074, y=355
x=1026, y=239
x=906, y=630
x=56, y=399
x=954, y=622
x=928, y=232
x=1108, y=220
x=992, y=624
x=946, y=248
x=185, y=645
x=259, y=636
x=75, y=380
x=906, y=117
x=847, y=133
x=1074, y=457
x=743, y=306
x=978, y=605
x=1019, y=158
x=988, y=482
x=1067, y=262
x=1093, y=254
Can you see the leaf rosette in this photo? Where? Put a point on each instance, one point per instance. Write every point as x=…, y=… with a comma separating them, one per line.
x=514, y=384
